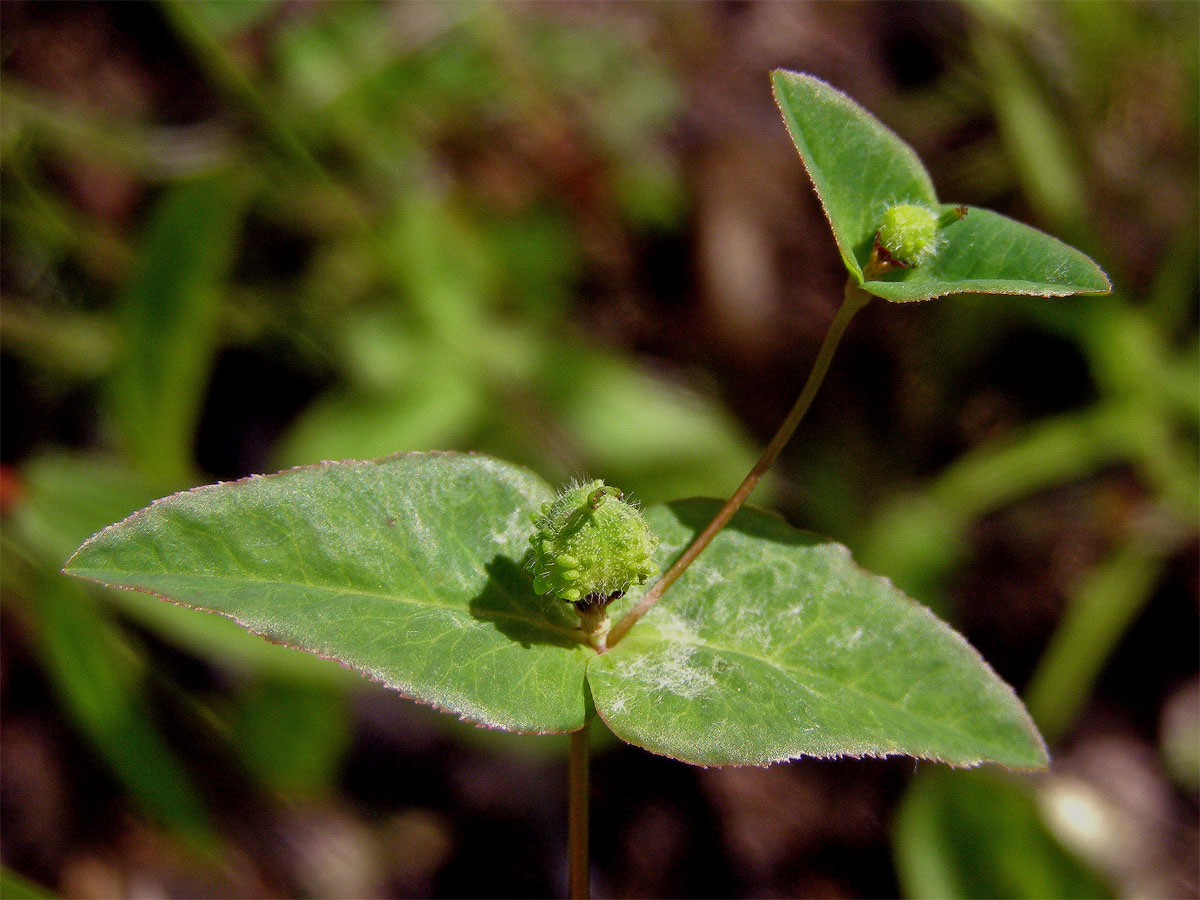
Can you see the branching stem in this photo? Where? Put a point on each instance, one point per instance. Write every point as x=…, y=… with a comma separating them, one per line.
x=853, y=300
x=577, y=814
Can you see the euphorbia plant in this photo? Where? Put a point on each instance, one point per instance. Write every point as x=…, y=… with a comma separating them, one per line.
x=465, y=582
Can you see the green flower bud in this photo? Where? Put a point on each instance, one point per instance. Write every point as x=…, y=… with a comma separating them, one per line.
x=589, y=543
x=909, y=234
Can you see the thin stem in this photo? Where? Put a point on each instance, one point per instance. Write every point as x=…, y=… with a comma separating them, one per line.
x=853, y=300
x=577, y=814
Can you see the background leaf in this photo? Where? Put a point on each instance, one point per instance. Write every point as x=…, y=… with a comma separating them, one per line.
x=292, y=736
x=18, y=887
x=774, y=645
x=97, y=676
x=647, y=435
x=980, y=834
x=168, y=315
x=408, y=569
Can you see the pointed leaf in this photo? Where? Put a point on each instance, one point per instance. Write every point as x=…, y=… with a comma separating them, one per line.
x=858, y=165
x=774, y=645
x=68, y=497
x=407, y=569
x=987, y=253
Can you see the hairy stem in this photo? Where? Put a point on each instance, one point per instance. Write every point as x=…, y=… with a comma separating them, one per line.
x=577, y=814
x=853, y=300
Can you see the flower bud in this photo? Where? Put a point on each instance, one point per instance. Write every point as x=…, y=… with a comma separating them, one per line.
x=589, y=543
x=909, y=234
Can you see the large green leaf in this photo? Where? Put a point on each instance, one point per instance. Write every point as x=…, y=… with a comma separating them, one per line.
x=407, y=569
x=774, y=645
x=859, y=168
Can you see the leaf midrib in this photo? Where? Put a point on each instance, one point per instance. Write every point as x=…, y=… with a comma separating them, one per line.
x=100, y=576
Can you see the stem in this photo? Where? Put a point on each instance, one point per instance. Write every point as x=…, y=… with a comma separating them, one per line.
x=593, y=621
x=577, y=814
x=853, y=300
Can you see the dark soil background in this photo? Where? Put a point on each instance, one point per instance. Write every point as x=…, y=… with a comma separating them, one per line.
x=628, y=194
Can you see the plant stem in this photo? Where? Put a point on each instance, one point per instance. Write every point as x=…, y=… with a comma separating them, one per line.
x=853, y=300
x=577, y=814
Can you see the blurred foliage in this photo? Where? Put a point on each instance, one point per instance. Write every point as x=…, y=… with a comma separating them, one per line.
x=242, y=235
x=18, y=888
x=980, y=834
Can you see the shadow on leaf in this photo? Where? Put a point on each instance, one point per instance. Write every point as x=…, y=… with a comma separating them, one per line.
x=508, y=602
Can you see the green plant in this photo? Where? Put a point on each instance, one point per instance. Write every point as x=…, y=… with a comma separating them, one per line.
x=417, y=569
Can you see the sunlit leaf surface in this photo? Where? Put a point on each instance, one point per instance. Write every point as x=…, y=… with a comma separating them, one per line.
x=407, y=569
x=775, y=645
x=772, y=646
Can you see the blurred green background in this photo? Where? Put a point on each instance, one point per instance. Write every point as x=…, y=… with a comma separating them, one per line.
x=239, y=236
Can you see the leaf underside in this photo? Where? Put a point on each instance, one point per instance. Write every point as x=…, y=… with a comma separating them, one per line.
x=859, y=167
x=772, y=646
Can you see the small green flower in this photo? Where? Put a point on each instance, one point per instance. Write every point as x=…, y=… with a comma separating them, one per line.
x=909, y=233
x=590, y=544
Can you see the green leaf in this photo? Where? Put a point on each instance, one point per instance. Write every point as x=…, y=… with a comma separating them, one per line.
x=774, y=645
x=407, y=569
x=96, y=679
x=168, y=316
x=860, y=168
x=987, y=253
x=981, y=834
x=858, y=165
x=68, y=497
